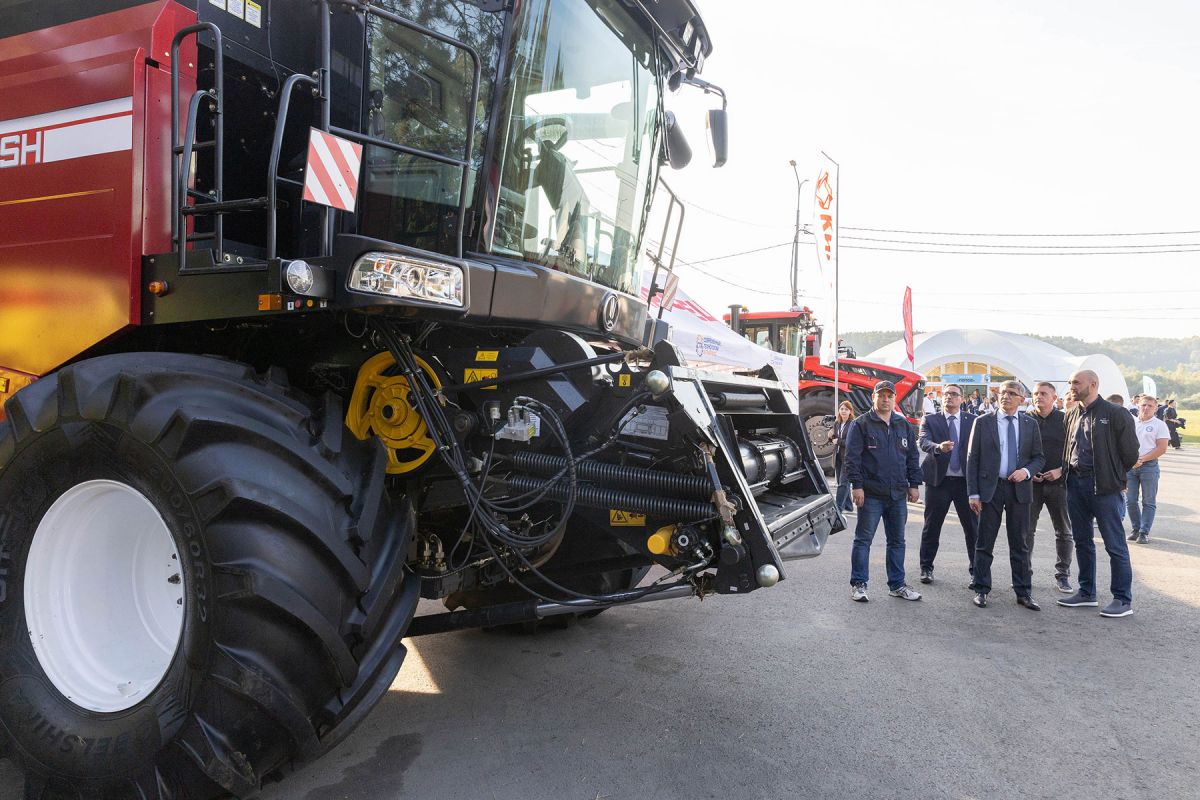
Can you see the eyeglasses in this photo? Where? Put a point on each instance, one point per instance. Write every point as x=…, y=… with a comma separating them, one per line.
x=952, y=394
x=1011, y=392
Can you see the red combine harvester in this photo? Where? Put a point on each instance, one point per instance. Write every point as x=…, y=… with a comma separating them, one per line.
x=797, y=334
x=310, y=310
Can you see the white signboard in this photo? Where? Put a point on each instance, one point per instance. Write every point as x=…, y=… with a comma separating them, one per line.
x=709, y=343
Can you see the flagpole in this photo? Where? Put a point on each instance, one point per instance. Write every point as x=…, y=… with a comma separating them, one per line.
x=837, y=350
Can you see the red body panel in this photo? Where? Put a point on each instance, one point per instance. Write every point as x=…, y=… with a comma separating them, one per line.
x=84, y=178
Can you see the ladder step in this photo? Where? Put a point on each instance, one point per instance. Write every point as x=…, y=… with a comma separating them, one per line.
x=196, y=147
x=226, y=207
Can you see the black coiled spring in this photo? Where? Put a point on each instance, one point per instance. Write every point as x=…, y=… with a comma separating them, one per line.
x=593, y=496
x=672, y=483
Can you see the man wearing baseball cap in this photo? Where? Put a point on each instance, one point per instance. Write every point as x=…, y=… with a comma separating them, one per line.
x=883, y=467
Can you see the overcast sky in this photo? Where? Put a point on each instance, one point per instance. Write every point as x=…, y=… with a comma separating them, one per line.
x=956, y=117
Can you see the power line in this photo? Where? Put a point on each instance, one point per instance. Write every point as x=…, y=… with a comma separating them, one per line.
x=1065, y=235
x=1028, y=246
x=1048, y=294
x=704, y=210
x=725, y=280
x=1026, y=253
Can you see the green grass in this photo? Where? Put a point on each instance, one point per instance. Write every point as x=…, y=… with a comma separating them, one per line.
x=1192, y=432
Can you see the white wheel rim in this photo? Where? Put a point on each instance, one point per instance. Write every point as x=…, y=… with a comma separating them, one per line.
x=104, y=596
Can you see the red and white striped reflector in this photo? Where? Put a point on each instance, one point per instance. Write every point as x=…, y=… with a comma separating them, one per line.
x=331, y=176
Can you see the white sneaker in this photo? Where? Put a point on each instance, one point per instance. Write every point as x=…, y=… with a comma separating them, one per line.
x=859, y=593
x=905, y=593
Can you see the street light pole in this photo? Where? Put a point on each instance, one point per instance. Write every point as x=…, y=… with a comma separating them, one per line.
x=796, y=241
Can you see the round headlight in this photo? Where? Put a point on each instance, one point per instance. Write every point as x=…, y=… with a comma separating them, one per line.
x=299, y=276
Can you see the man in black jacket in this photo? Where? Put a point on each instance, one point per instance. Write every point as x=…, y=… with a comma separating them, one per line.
x=1100, y=448
x=1052, y=494
x=883, y=467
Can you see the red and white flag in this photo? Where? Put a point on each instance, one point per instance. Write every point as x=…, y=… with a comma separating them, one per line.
x=906, y=311
x=825, y=215
x=331, y=175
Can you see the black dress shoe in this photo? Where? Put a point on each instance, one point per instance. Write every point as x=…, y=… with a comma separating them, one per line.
x=1029, y=603
x=980, y=600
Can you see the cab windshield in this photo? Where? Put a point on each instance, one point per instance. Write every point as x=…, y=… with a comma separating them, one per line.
x=578, y=153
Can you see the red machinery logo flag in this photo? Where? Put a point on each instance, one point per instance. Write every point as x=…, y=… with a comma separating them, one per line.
x=331, y=176
x=825, y=212
x=908, y=325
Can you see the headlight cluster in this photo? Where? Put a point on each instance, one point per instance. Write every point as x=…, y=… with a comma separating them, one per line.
x=398, y=275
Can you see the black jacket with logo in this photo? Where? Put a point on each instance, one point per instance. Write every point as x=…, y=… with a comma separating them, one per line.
x=1114, y=443
x=882, y=458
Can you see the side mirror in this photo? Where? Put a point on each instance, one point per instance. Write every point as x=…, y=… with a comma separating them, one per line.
x=679, y=153
x=718, y=136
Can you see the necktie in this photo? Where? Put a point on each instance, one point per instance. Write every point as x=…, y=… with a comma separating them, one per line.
x=1012, y=447
x=955, y=463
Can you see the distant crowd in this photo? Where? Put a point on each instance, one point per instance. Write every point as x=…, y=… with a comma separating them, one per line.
x=1090, y=462
x=974, y=404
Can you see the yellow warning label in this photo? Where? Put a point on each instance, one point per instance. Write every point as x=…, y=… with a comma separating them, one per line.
x=476, y=374
x=487, y=355
x=624, y=380
x=625, y=519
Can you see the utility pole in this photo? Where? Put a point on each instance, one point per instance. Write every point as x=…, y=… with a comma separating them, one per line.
x=796, y=241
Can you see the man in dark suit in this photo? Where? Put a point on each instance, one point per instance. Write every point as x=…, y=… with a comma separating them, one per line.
x=944, y=438
x=1005, y=452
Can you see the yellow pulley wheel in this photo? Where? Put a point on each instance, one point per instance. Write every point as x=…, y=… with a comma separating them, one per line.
x=380, y=406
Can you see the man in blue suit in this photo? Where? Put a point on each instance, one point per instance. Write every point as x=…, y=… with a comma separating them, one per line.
x=1004, y=454
x=944, y=438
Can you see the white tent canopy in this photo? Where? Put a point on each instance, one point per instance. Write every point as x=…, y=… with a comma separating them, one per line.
x=1029, y=360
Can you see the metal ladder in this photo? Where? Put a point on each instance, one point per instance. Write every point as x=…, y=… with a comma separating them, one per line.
x=212, y=203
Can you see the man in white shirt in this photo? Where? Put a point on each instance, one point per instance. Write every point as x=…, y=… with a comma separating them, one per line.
x=1153, y=437
x=929, y=406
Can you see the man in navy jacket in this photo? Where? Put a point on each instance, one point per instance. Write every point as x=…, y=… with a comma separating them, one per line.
x=1004, y=454
x=883, y=467
x=944, y=438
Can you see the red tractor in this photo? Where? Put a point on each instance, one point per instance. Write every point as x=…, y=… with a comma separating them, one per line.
x=797, y=333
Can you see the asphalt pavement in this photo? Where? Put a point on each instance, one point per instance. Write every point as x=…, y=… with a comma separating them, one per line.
x=795, y=691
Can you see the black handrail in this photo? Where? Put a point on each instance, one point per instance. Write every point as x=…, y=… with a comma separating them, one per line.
x=465, y=163
x=285, y=100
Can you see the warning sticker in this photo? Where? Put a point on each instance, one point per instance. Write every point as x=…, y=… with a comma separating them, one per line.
x=625, y=519
x=218, y=3
x=624, y=380
x=476, y=374
x=254, y=13
x=236, y=7
x=487, y=355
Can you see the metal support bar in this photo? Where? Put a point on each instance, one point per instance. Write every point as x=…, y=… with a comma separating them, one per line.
x=530, y=611
x=226, y=207
x=399, y=148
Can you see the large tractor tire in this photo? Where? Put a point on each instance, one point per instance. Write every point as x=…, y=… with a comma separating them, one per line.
x=814, y=407
x=203, y=579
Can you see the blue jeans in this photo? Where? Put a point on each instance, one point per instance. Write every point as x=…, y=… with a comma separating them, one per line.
x=842, y=498
x=894, y=514
x=1085, y=506
x=1145, y=479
